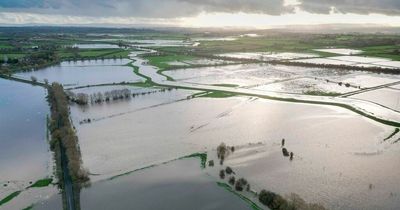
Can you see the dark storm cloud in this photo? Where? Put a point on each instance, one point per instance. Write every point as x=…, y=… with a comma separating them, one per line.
x=185, y=8
x=143, y=8
x=389, y=7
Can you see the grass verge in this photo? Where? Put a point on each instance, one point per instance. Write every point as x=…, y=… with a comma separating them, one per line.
x=9, y=197
x=42, y=183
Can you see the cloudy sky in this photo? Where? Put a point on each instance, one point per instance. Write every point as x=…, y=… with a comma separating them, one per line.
x=200, y=13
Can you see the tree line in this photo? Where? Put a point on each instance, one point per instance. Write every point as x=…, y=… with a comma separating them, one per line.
x=113, y=95
x=63, y=134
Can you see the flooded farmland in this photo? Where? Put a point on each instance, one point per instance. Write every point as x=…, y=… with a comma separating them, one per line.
x=200, y=124
x=180, y=184
x=25, y=157
x=199, y=120
x=90, y=73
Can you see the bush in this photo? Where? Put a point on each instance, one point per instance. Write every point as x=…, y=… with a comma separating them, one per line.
x=222, y=174
x=293, y=202
x=285, y=152
x=228, y=170
x=267, y=198
x=221, y=150
x=232, y=180
x=221, y=162
x=240, y=184
x=211, y=163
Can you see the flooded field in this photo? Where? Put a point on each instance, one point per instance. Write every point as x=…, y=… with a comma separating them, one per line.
x=107, y=159
x=24, y=156
x=242, y=75
x=287, y=79
x=158, y=124
x=385, y=96
x=334, y=172
x=306, y=86
x=360, y=61
x=264, y=56
x=179, y=185
x=200, y=124
x=81, y=73
x=341, y=51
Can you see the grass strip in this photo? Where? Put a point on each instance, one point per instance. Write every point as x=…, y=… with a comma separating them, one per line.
x=42, y=183
x=9, y=197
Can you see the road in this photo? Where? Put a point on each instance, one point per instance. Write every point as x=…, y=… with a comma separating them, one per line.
x=68, y=190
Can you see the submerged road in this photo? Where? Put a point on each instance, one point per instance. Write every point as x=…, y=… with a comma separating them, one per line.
x=365, y=108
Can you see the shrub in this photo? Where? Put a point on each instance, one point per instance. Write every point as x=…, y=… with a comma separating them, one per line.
x=285, y=152
x=232, y=180
x=221, y=150
x=211, y=163
x=267, y=197
x=222, y=174
x=240, y=184
x=228, y=170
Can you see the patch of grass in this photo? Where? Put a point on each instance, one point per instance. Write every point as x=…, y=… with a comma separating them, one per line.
x=202, y=156
x=94, y=54
x=217, y=94
x=9, y=197
x=384, y=51
x=392, y=134
x=142, y=84
x=13, y=55
x=253, y=205
x=320, y=93
x=42, y=183
x=161, y=61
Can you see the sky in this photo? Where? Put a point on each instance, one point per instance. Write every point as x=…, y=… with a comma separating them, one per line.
x=200, y=13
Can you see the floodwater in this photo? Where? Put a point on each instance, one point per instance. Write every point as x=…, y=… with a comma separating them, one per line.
x=337, y=152
x=359, y=61
x=336, y=171
x=24, y=156
x=385, y=96
x=73, y=74
x=341, y=51
x=305, y=85
x=178, y=185
x=284, y=79
x=243, y=75
x=267, y=55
